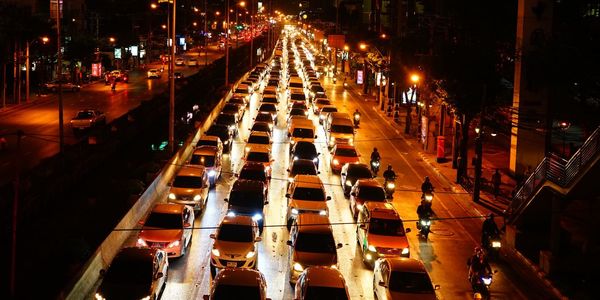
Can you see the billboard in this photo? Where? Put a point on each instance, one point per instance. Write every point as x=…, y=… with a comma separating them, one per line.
x=359, y=77
x=117, y=53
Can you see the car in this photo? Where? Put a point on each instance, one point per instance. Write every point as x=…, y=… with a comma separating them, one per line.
x=134, y=273
x=257, y=172
x=239, y=100
x=64, y=85
x=316, y=90
x=168, y=227
x=305, y=150
x=179, y=61
x=248, y=198
x=190, y=187
x=236, y=109
x=260, y=154
x=87, y=118
x=269, y=108
x=365, y=190
x=299, y=112
x=319, y=103
x=320, y=282
x=301, y=167
x=236, y=283
x=270, y=99
x=342, y=154
x=265, y=117
x=178, y=75
x=230, y=120
x=192, y=62
x=380, y=232
x=350, y=173
x=210, y=140
x=402, y=278
x=261, y=126
x=224, y=134
x=235, y=244
x=153, y=73
x=306, y=194
x=297, y=96
x=211, y=158
x=339, y=129
x=116, y=75
x=258, y=138
x=324, y=112
x=311, y=243
x=301, y=129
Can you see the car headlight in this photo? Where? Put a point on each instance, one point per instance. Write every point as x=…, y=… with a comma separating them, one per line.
x=315, y=160
x=270, y=126
x=250, y=254
x=197, y=198
x=425, y=222
x=391, y=185
x=359, y=206
x=212, y=173
x=298, y=267
x=292, y=142
x=231, y=127
x=334, y=266
x=405, y=251
x=173, y=244
x=290, y=179
x=98, y=296
x=226, y=142
x=323, y=212
x=295, y=157
x=257, y=217
x=141, y=243
x=336, y=162
x=294, y=211
x=231, y=214
x=216, y=252
x=322, y=117
x=267, y=168
x=350, y=141
x=146, y=298
x=348, y=183
x=172, y=196
x=496, y=244
x=247, y=149
x=372, y=248
x=306, y=113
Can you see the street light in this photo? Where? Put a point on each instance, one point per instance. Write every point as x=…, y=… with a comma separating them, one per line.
x=564, y=126
x=153, y=5
x=414, y=79
x=45, y=39
x=112, y=40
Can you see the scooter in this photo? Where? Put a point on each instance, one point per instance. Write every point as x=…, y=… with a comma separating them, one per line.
x=428, y=198
x=390, y=188
x=493, y=245
x=424, y=226
x=375, y=166
x=356, y=119
x=481, y=285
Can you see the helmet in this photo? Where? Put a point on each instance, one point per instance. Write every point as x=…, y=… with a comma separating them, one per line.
x=389, y=166
x=478, y=250
x=490, y=216
x=375, y=149
x=426, y=178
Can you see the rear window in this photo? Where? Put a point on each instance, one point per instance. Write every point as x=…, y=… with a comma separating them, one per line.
x=258, y=157
x=372, y=193
x=253, y=174
x=307, y=168
x=296, y=84
x=227, y=292
x=297, y=96
x=342, y=129
x=314, y=194
x=268, y=107
x=303, y=133
x=205, y=160
x=258, y=139
x=346, y=152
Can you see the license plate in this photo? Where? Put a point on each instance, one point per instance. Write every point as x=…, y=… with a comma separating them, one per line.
x=231, y=264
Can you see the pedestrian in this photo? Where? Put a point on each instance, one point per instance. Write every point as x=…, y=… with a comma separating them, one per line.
x=496, y=181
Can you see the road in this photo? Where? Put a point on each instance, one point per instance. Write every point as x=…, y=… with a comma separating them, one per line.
x=39, y=120
x=445, y=254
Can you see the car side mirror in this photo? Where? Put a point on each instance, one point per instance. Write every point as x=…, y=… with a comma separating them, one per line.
x=343, y=174
x=258, y=239
x=159, y=275
x=289, y=134
x=407, y=230
x=436, y=287
x=318, y=172
x=339, y=245
x=102, y=272
x=316, y=136
x=381, y=283
x=353, y=194
x=328, y=198
x=288, y=170
x=289, y=243
x=287, y=195
x=226, y=199
x=266, y=202
x=212, y=236
x=187, y=224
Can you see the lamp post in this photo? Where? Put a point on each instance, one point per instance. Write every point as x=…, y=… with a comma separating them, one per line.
x=227, y=47
x=564, y=126
x=478, y=157
x=172, y=81
x=363, y=48
x=414, y=79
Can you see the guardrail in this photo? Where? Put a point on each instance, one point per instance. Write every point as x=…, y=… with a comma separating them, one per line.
x=557, y=170
x=156, y=192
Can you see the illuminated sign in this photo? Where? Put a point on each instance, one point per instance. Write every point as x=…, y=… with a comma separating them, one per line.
x=117, y=53
x=359, y=77
x=97, y=69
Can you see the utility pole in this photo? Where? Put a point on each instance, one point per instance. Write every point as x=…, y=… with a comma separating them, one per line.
x=205, y=35
x=251, y=32
x=227, y=48
x=479, y=150
x=27, y=71
x=61, y=129
x=172, y=81
x=15, y=215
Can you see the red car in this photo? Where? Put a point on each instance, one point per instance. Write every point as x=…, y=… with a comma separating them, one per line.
x=117, y=75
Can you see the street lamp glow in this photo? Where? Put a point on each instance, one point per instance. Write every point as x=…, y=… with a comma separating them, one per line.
x=164, y=26
x=45, y=39
x=415, y=78
x=242, y=3
x=195, y=24
x=217, y=13
x=383, y=35
x=346, y=48
x=111, y=39
x=153, y=5
x=362, y=46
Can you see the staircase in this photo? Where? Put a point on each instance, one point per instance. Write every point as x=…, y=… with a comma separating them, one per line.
x=556, y=173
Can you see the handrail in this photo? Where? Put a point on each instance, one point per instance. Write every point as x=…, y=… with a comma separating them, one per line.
x=557, y=170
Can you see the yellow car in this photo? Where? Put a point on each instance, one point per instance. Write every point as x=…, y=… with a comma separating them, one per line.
x=190, y=187
x=306, y=195
x=321, y=283
x=235, y=244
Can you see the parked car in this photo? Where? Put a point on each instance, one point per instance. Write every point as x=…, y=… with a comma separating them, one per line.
x=65, y=86
x=153, y=73
x=88, y=118
x=235, y=244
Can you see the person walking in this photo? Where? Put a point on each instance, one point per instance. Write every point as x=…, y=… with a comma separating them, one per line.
x=496, y=181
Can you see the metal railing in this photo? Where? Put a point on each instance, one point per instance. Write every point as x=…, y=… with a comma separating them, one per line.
x=557, y=170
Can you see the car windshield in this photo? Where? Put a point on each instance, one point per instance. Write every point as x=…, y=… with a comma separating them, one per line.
x=325, y=293
x=315, y=242
x=386, y=227
x=84, y=115
x=187, y=182
x=132, y=271
x=247, y=199
x=269, y=100
x=317, y=88
x=409, y=282
x=231, y=108
x=253, y=174
x=258, y=157
x=241, y=91
x=206, y=143
x=342, y=129
x=329, y=109
x=307, y=168
x=372, y=193
x=346, y=152
x=235, y=233
x=205, y=160
x=300, y=105
x=164, y=220
x=258, y=139
x=263, y=117
x=225, y=119
x=236, y=101
x=359, y=171
x=323, y=102
x=298, y=112
x=305, y=149
x=220, y=131
x=303, y=133
x=268, y=107
x=261, y=127
x=313, y=194
x=227, y=292
x=296, y=84
x=296, y=96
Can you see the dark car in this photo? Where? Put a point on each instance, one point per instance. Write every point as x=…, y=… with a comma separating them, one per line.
x=223, y=132
x=351, y=173
x=298, y=112
x=301, y=167
x=230, y=120
x=305, y=150
x=235, y=109
x=135, y=273
x=261, y=126
x=248, y=197
x=264, y=117
x=297, y=97
x=270, y=108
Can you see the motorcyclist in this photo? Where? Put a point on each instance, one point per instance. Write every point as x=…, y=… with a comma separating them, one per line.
x=375, y=155
x=426, y=187
x=489, y=229
x=478, y=264
x=389, y=174
x=356, y=118
x=424, y=211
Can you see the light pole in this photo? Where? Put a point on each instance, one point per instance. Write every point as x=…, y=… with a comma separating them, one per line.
x=564, y=126
x=363, y=48
x=205, y=33
x=251, y=32
x=478, y=157
x=227, y=47
x=414, y=79
x=172, y=81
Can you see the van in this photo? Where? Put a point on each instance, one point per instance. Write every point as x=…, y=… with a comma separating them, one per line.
x=301, y=129
x=339, y=128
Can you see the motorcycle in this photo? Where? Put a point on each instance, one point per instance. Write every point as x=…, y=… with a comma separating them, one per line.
x=345, y=84
x=356, y=119
x=493, y=245
x=390, y=187
x=481, y=284
x=424, y=226
x=375, y=166
x=427, y=197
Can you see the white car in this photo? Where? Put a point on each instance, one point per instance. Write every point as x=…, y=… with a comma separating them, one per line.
x=179, y=61
x=153, y=73
x=192, y=62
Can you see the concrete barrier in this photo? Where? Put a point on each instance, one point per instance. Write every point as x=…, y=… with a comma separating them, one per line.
x=82, y=286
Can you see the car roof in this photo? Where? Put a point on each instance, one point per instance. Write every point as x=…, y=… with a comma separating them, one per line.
x=406, y=264
x=239, y=277
x=345, y=146
x=197, y=171
x=382, y=210
x=325, y=276
x=238, y=220
x=205, y=149
x=339, y=114
x=321, y=223
x=168, y=208
x=209, y=138
x=260, y=133
x=247, y=185
x=135, y=253
x=311, y=181
x=368, y=182
x=259, y=148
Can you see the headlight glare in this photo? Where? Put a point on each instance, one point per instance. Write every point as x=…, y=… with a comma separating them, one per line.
x=257, y=217
x=216, y=252
x=294, y=211
x=173, y=244
x=298, y=267
x=348, y=183
x=250, y=254
x=141, y=243
x=197, y=198
x=405, y=251
x=172, y=196
x=372, y=248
